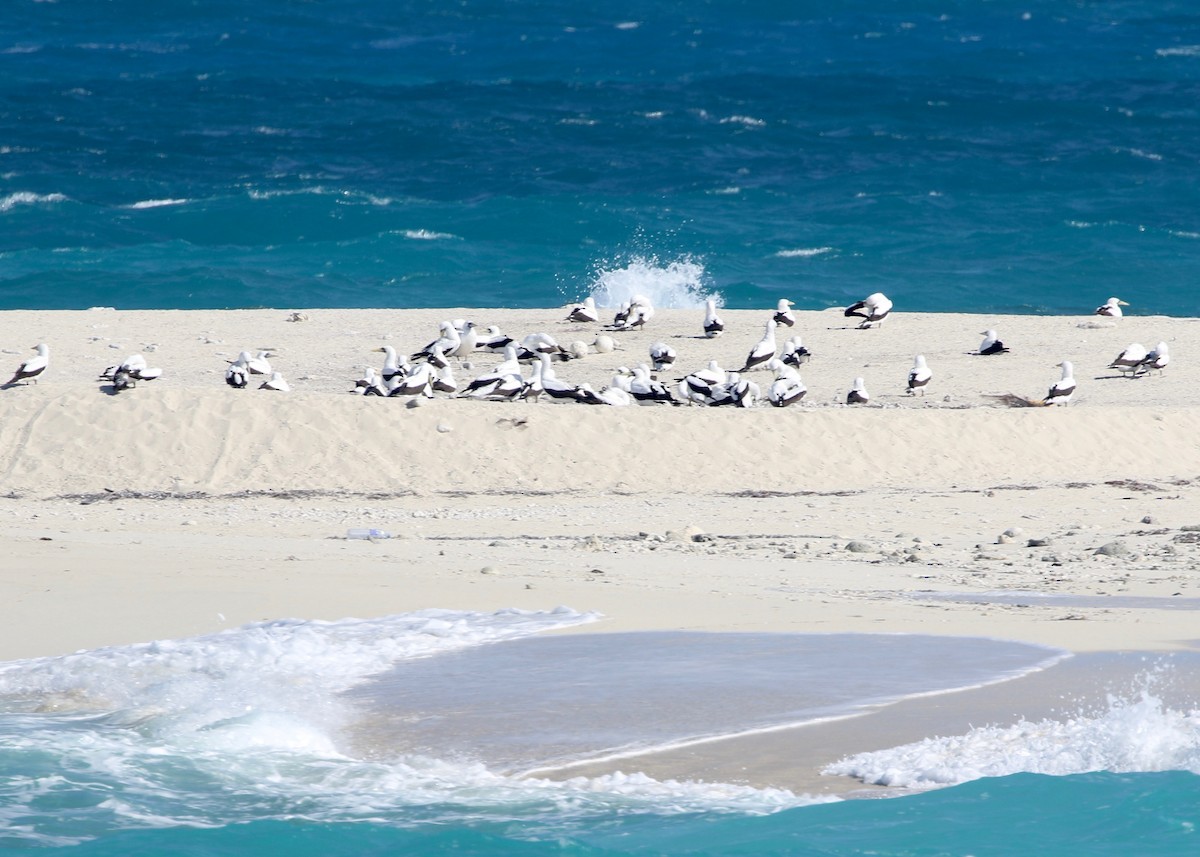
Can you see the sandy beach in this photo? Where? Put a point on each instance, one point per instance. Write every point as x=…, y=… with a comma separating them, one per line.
x=184, y=507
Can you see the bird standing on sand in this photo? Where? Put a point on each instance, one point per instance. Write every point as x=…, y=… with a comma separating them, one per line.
x=702, y=386
x=794, y=353
x=584, y=313
x=1111, y=308
x=643, y=388
x=787, y=388
x=991, y=344
x=763, y=351
x=33, y=367
x=662, y=356
x=1156, y=359
x=131, y=370
x=447, y=342
x=783, y=313
x=1064, y=388
x=713, y=326
x=633, y=314
x=919, y=376
x=1130, y=360
x=858, y=394
x=494, y=340
x=872, y=309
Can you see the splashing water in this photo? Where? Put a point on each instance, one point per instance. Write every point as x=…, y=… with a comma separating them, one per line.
x=1132, y=735
x=673, y=285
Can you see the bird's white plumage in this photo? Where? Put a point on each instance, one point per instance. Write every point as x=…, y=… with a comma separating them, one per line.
x=1130, y=360
x=276, y=382
x=713, y=326
x=872, y=309
x=858, y=394
x=30, y=369
x=1064, y=387
x=919, y=376
x=763, y=350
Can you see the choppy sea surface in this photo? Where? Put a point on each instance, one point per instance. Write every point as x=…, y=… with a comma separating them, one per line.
x=1032, y=157
x=435, y=731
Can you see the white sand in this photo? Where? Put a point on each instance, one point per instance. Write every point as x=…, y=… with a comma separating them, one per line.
x=184, y=506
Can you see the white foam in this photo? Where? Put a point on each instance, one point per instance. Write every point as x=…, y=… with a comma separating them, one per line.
x=1130, y=736
x=243, y=726
x=156, y=203
x=803, y=252
x=673, y=285
x=427, y=235
x=25, y=197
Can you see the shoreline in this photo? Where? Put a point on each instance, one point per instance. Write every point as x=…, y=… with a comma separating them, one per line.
x=183, y=507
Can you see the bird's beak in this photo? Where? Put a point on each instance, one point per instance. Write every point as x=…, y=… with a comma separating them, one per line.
x=1123, y=303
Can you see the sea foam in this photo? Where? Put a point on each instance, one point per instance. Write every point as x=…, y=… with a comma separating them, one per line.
x=669, y=285
x=1138, y=735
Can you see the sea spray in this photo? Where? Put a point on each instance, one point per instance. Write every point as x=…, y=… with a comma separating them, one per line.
x=678, y=284
x=1137, y=735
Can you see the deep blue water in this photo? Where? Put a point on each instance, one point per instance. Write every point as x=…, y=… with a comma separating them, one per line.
x=972, y=156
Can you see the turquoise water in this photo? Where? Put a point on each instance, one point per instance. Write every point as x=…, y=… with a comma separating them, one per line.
x=1084, y=814
x=441, y=730
x=984, y=157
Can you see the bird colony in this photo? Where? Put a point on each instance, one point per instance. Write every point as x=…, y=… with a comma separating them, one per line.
x=536, y=367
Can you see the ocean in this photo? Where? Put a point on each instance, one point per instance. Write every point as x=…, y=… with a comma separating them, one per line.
x=958, y=155
x=442, y=730
x=963, y=156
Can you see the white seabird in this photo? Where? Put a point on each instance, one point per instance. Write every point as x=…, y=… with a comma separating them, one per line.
x=391, y=363
x=132, y=368
x=713, y=326
x=468, y=338
x=1111, y=308
x=858, y=394
x=448, y=342
x=701, y=386
x=276, y=382
x=1061, y=392
x=919, y=376
x=634, y=314
x=737, y=391
x=763, y=351
x=237, y=375
x=991, y=344
x=606, y=396
x=783, y=312
x=1129, y=360
x=794, y=353
x=787, y=389
x=584, y=313
x=1156, y=359
x=662, y=356
x=549, y=382
x=444, y=381
x=30, y=369
x=419, y=382
x=643, y=388
x=503, y=382
x=258, y=364
x=541, y=343
x=872, y=309
x=494, y=340
x=370, y=385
